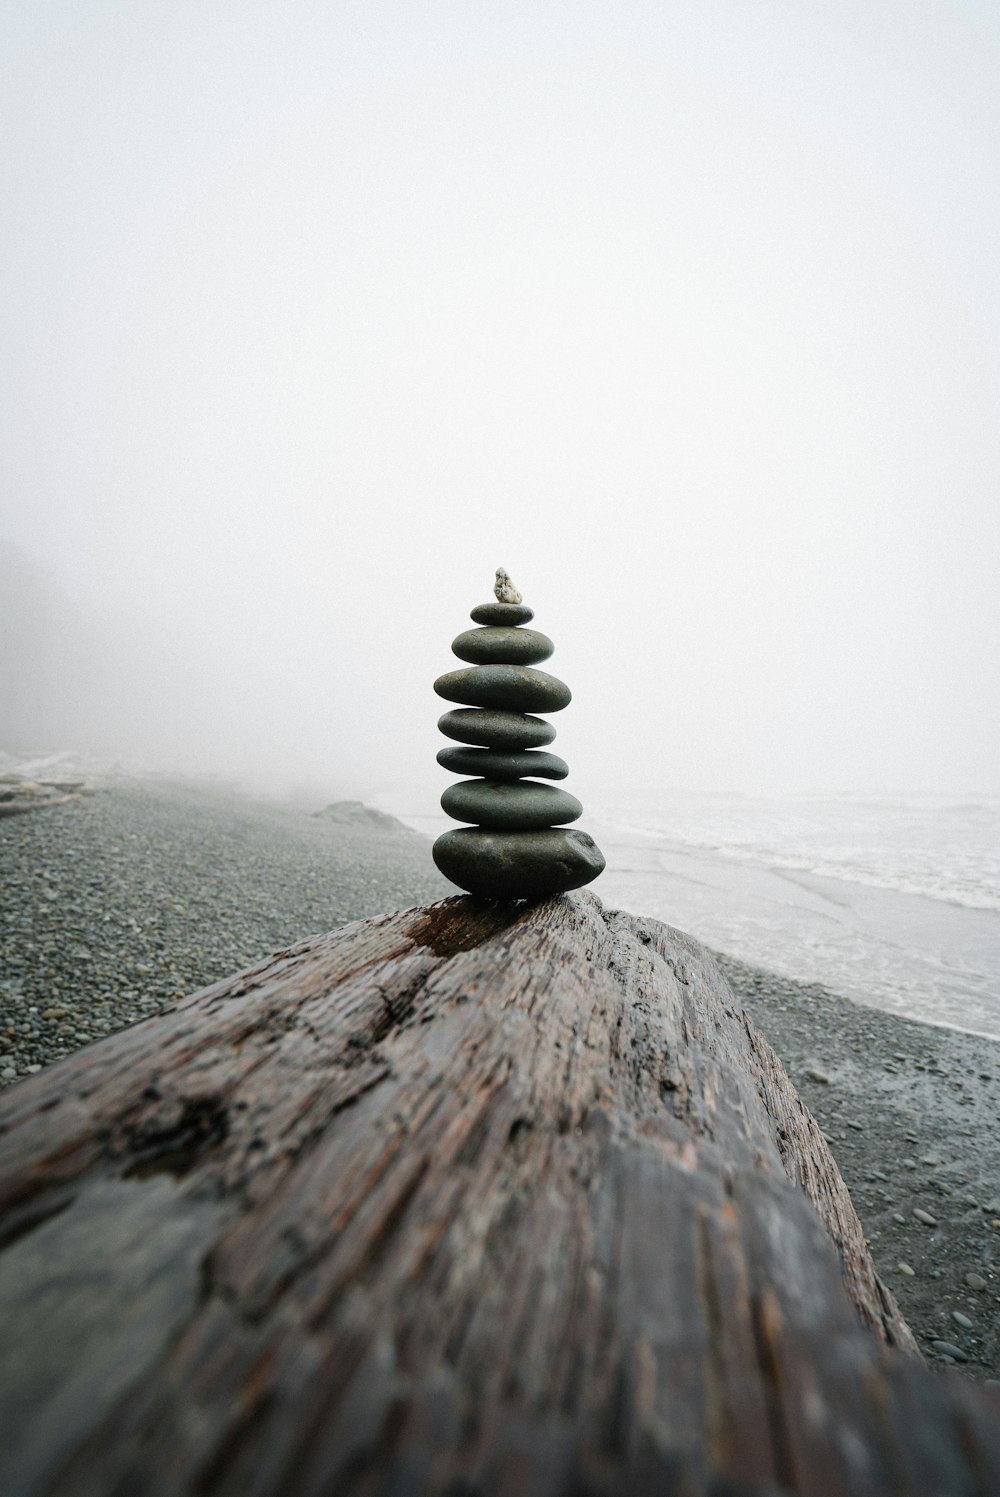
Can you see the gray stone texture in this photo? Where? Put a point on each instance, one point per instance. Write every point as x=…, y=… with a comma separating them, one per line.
x=510, y=807
x=492, y=646
x=517, y=865
x=509, y=614
x=493, y=764
x=500, y=730
x=514, y=687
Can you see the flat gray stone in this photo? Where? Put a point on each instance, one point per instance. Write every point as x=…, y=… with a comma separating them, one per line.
x=943, y=1348
x=492, y=646
x=492, y=764
x=501, y=730
x=509, y=614
x=515, y=687
x=518, y=865
x=521, y=807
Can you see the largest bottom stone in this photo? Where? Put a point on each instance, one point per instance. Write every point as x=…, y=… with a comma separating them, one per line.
x=518, y=865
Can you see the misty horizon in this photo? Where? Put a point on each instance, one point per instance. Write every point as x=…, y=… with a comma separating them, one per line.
x=688, y=319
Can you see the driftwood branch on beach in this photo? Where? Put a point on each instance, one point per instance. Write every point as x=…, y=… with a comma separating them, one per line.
x=470, y=1198
x=18, y=795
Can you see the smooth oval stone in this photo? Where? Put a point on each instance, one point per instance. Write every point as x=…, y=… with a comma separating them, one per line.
x=502, y=646
x=517, y=865
x=514, y=686
x=511, y=614
x=491, y=764
x=510, y=808
x=502, y=730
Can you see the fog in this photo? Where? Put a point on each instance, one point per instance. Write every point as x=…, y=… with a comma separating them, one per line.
x=686, y=314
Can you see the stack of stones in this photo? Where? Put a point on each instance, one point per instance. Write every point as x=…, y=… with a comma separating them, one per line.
x=518, y=846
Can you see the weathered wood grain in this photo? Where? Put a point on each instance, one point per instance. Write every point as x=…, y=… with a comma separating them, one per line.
x=464, y=1199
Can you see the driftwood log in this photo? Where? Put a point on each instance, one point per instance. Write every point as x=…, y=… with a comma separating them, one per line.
x=466, y=1199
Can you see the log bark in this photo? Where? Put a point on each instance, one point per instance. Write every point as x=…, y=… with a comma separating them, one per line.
x=466, y=1199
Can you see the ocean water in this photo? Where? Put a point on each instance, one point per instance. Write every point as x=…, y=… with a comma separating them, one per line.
x=893, y=901
x=943, y=848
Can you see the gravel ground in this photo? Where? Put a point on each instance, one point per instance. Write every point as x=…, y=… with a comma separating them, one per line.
x=113, y=906
x=911, y=1115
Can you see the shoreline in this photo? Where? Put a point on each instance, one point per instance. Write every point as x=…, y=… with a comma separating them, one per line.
x=118, y=904
x=907, y=954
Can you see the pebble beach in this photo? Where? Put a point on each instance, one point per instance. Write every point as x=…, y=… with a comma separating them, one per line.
x=115, y=904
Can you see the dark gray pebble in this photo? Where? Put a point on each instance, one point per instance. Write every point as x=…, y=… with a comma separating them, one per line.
x=514, y=687
x=491, y=764
x=518, y=865
x=499, y=730
x=948, y=1349
x=520, y=807
x=493, y=646
x=510, y=614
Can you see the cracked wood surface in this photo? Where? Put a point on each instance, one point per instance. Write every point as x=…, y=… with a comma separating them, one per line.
x=464, y=1199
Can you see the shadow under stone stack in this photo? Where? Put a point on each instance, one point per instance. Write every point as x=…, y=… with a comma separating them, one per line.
x=518, y=846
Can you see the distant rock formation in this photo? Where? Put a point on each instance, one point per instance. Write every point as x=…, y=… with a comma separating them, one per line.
x=356, y=813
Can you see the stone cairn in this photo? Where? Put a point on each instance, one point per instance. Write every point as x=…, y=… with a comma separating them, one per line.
x=518, y=846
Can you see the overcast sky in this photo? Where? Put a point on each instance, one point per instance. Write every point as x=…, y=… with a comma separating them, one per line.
x=313, y=314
